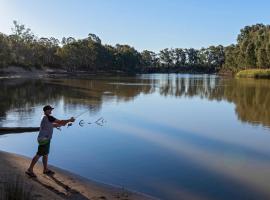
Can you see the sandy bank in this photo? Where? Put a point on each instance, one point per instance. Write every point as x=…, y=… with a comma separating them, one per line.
x=17, y=72
x=63, y=185
x=20, y=72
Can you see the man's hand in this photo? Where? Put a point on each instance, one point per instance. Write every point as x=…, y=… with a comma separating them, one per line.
x=72, y=119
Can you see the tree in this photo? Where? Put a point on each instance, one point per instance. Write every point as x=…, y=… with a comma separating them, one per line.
x=5, y=51
x=262, y=60
x=250, y=56
x=149, y=59
x=192, y=55
x=166, y=57
x=127, y=58
x=180, y=57
x=94, y=38
x=216, y=56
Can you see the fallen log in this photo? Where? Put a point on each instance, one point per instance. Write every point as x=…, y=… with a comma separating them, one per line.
x=7, y=130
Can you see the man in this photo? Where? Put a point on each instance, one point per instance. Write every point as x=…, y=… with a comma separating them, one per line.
x=44, y=139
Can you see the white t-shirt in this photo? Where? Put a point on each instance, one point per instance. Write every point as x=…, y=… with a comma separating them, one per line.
x=46, y=128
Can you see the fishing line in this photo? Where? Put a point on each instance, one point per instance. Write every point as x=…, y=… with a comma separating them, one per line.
x=99, y=122
x=81, y=114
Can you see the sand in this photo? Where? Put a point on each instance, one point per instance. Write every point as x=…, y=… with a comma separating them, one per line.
x=62, y=185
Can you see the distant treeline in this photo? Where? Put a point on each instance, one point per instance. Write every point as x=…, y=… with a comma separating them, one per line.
x=23, y=48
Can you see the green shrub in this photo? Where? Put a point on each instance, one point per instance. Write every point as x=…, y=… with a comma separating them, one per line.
x=254, y=73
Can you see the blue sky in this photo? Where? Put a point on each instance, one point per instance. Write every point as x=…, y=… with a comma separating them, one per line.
x=144, y=24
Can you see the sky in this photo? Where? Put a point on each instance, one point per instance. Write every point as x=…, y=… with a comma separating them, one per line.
x=143, y=24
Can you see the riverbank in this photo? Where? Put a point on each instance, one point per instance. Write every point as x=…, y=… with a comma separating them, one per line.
x=63, y=185
x=21, y=72
x=254, y=73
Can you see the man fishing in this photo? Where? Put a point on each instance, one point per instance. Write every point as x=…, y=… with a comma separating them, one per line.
x=47, y=124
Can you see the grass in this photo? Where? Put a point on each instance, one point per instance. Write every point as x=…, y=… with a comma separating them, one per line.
x=254, y=73
x=13, y=188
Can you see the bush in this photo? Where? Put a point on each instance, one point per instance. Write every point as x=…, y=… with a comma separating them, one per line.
x=254, y=73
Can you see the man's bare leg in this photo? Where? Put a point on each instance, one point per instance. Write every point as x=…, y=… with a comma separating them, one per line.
x=46, y=170
x=45, y=163
x=34, y=161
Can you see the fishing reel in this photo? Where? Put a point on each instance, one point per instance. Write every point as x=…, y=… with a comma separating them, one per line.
x=69, y=124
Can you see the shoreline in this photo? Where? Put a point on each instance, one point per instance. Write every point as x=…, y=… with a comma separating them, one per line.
x=20, y=72
x=64, y=184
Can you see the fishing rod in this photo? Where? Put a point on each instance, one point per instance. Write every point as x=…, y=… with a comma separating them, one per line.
x=76, y=117
x=100, y=121
x=81, y=114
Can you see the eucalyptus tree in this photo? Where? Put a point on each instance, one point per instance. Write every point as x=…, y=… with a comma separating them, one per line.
x=5, y=51
x=192, y=56
x=127, y=58
x=180, y=57
x=149, y=59
x=166, y=57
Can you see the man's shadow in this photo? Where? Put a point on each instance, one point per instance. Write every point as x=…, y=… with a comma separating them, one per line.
x=70, y=193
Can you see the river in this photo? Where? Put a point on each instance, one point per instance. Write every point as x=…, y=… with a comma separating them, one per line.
x=171, y=136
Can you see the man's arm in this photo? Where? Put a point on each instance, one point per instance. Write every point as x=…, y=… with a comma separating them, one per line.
x=58, y=123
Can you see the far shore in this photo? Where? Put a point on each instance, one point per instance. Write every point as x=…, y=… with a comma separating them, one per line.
x=21, y=72
x=63, y=185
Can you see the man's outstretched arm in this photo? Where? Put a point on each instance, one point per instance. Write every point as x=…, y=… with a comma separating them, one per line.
x=58, y=123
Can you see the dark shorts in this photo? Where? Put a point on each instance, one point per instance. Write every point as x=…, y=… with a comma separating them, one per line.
x=44, y=149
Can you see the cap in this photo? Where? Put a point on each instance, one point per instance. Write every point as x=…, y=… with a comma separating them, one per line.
x=48, y=107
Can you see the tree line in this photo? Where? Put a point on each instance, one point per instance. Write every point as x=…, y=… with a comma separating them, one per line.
x=23, y=48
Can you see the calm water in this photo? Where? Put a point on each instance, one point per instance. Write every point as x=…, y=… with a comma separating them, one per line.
x=170, y=136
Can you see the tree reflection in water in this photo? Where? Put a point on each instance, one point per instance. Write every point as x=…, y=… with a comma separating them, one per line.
x=250, y=96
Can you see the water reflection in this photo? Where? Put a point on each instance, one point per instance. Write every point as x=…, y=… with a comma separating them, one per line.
x=250, y=96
